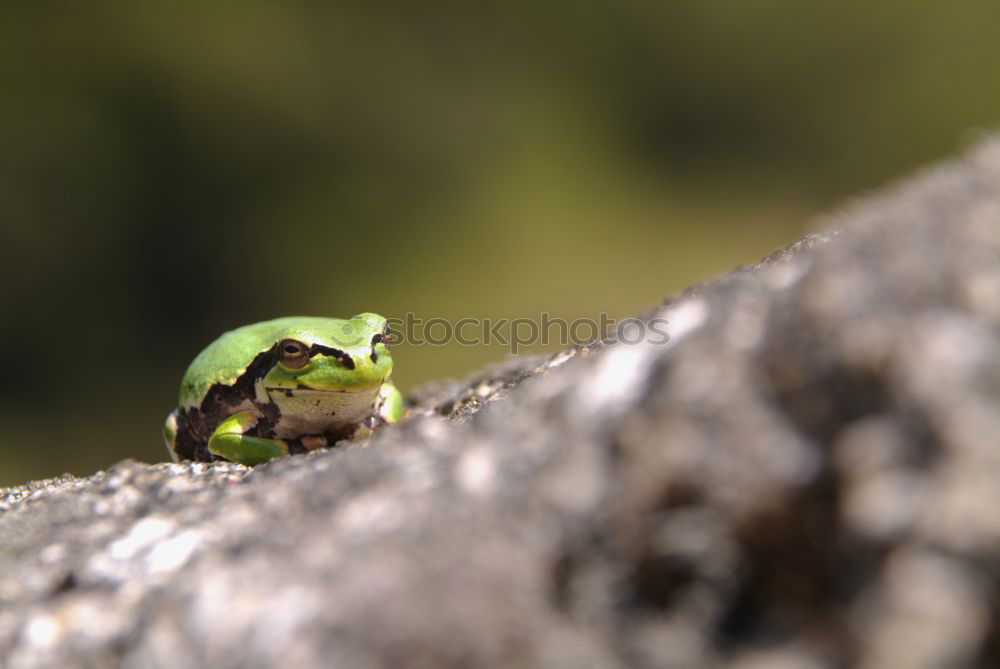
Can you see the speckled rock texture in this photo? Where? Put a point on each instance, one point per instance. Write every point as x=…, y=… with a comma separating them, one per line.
x=807, y=475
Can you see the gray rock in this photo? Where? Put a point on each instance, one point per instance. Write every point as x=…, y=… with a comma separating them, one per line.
x=806, y=475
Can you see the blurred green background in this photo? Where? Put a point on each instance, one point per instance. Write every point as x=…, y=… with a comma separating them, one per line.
x=169, y=170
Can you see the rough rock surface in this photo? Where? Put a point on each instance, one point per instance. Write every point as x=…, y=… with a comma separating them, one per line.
x=807, y=475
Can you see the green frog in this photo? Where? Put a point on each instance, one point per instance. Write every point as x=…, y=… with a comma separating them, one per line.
x=284, y=386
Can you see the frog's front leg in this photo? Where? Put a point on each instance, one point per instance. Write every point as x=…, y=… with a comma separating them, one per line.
x=390, y=405
x=231, y=441
x=389, y=409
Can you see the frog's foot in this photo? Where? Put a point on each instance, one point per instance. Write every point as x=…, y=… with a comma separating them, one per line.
x=313, y=441
x=367, y=427
x=231, y=442
x=364, y=429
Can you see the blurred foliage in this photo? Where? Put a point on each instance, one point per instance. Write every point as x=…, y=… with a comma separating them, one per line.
x=169, y=170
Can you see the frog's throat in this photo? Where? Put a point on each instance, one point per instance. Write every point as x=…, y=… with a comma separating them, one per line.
x=310, y=411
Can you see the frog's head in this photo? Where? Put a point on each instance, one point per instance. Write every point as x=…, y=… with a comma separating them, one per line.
x=331, y=354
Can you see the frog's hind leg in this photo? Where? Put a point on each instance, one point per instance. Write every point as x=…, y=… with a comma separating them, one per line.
x=170, y=435
x=231, y=442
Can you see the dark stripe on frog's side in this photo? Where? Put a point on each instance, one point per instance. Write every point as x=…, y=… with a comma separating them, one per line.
x=186, y=445
x=346, y=360
x=195, y=426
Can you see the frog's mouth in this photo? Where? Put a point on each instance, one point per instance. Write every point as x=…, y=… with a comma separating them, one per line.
x=309, y=390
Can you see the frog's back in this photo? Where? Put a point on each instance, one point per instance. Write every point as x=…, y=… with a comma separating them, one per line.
x=225, y=359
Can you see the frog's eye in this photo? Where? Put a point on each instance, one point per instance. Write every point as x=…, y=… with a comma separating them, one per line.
x=293, y=354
